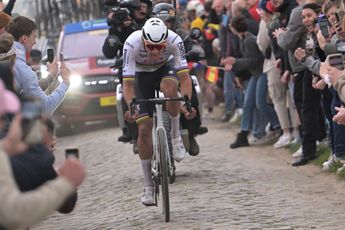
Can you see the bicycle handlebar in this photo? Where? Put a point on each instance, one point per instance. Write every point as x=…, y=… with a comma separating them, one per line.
x=185, y=98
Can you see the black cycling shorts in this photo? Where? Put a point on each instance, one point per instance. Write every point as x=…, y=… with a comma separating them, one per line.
x=146, y=84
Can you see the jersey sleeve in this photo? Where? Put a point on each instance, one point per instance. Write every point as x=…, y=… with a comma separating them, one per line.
x=178, y=51
x=129, y=53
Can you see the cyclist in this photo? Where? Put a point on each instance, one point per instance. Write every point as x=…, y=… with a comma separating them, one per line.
x=194, y=52
x=150, y=57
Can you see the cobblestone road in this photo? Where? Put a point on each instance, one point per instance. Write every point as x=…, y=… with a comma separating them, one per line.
x=248, y=188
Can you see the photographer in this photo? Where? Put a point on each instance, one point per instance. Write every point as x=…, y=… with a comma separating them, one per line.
x=123, y=19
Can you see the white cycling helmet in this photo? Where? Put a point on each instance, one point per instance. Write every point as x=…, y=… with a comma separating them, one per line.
x=154, y=31
x=197, y=6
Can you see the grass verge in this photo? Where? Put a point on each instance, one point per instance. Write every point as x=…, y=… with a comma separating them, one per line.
x=323, y=152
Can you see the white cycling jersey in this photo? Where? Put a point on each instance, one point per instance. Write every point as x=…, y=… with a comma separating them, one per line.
x=137, y=59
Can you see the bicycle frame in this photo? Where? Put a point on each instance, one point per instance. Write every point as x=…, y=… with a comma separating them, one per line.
x=158, y=125
x=160, y=167
x=161, y=161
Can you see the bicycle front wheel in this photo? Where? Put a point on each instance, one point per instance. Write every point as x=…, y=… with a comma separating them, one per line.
x=163, y=164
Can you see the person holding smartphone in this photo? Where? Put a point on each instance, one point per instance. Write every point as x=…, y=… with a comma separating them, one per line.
x=24, y=32
x=312, y=115
x=16, y=207
x=35, y=166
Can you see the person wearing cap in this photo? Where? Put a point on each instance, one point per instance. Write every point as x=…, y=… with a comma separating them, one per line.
x=24, y=32
x=16, y=209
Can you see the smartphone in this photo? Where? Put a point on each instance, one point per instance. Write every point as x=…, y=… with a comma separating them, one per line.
x=336, y=60
x=340, y=46
x=336, y=24
x=323, y=24
x=72, y=153
x=61, y=57
x=50, y=55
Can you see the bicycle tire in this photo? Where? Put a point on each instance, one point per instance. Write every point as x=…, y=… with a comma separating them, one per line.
x=167, y=127
x=163, y=164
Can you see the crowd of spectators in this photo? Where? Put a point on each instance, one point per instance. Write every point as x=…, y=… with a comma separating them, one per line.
x=32, y=187
x=274, y=71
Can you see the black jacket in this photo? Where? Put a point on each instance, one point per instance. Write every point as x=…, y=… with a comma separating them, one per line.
x=33, y=168
x=252, y=59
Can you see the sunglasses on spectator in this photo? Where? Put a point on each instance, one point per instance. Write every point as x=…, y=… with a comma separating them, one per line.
x=158, y=47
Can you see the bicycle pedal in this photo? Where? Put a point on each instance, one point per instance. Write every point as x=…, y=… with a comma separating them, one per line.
x=149, y=205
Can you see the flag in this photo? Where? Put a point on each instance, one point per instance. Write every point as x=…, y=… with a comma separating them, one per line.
x=212, y=74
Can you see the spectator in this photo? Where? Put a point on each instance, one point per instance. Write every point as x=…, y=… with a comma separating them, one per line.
x=313, y=114
x=4, y=20
x=289, y=39
x=7, y=51
x=47, y=80
x=16, y=210
x=255, y=105
x=230, y=47
x=277, y=89
x=34, y=166
x=24, y=32
x=7, y=59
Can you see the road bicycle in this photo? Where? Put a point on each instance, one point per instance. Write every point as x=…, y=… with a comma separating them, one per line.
x=162, y=167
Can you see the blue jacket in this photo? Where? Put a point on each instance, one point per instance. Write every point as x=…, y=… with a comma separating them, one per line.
x=27, y=83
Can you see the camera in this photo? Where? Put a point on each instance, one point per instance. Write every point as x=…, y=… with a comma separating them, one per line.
x=336, y=60
x=72, y=153
x=119, y=16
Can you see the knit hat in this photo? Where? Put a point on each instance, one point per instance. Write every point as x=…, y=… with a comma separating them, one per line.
x=7, y=49
x=4, y=19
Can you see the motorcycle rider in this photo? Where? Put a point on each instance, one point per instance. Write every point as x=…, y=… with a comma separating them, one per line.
x=194, y=52
x=124, y=18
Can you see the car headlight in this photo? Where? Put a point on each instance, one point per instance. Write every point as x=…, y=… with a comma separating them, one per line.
x=75, y=80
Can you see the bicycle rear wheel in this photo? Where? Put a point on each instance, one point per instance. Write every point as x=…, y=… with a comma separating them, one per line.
x=163, y=164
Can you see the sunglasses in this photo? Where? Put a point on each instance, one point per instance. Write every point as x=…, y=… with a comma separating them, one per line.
x=153, y=47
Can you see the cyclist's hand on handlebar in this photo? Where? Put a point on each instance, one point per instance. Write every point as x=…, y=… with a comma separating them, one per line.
x=188, y=115
x=131, y=118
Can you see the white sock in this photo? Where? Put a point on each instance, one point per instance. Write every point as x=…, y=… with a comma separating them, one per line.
x=175, y=123
x=146, y=166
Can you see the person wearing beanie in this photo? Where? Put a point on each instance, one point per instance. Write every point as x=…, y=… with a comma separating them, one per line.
x=7, y=51
x=4, y=21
